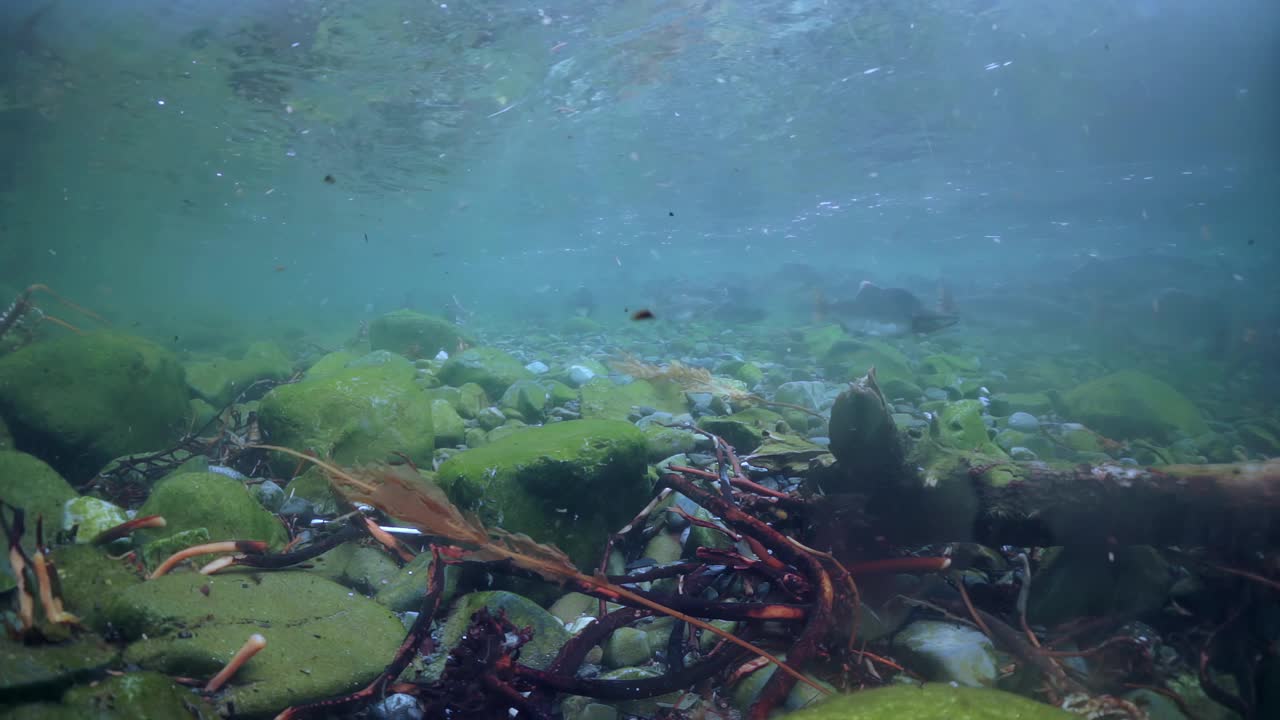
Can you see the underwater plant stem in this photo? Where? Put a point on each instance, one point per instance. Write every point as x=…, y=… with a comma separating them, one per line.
x=251, y=647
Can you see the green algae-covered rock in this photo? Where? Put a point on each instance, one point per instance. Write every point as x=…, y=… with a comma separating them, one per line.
x=136, y=696
x=322, y=639
x=490, y=368
x=89, y=578
x=449, y=427
x=959, y=426
x=355, y=415
x=569, y=483
x=314, y=487
x=604, y=399
x=219, y=381
x=85, y=399
x=29, y=483
x=1036, y=403
x=1130, y=404
x=932, y=701
x=945, y=370
x=360, y=567
x=41, y=672
x=333, y=362
x=220, y=504
x=743, y=370
x=549, y=634
x=526, y=399
x=414, y=334
x=746, y=429
x=850, y=359
x=405, y=591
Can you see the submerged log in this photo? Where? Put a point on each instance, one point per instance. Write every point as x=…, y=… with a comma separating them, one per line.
x=917, y=491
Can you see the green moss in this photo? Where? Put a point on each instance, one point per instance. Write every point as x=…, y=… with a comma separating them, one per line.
x=331, y=363
x=572, y=483
x=85, y=399
x=930, y=702
x=322, y=639
x=448, y=425
x=355, y=415
x=209, y=500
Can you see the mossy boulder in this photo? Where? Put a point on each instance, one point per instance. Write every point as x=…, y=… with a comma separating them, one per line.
x=568, y=483
x=1075, y=582
x=219, y=381
x=490, y=368
x=744, y=430
x=1036, y=403
x=41, y=672
x=322, y=639
x=89, y=578
x=931, y=701
x=850, y=359
x=549, y=634
x=604, y=399
x=221, y=505
x=81, y=400
x=354, y=415
x=449, y=427
x=333, y=362
x=1130, y=404
x=959, y=426
x=742, y=370
x=525, y=399
x=414, y=334
x=28, y=482
x=136, y=696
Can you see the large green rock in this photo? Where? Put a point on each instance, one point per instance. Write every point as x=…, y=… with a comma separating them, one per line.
x=28, y=482
x=449, y=427
x=219, y=381
x=89, y=577
x=81, y=400
x=490, y=368
x=931, y=701
x=1130, y=405
x=604, y=399
x=413, y=334
x=354, y=415
x=322, y=639
x=568, y=483
x=221, y=505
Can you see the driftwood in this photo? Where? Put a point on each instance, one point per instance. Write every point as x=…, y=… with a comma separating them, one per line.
x=912, y=491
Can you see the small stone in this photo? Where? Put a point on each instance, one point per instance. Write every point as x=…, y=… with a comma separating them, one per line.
x=935, y=394
x=1021, y=453
x=580, y=375
x=490, y=418
x=1024, y=422
x=397, y=707
x=537, y=367
x=270, y=495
